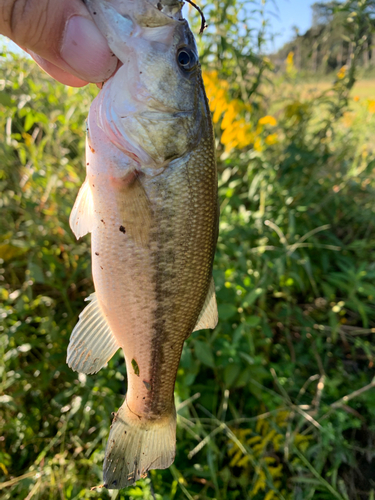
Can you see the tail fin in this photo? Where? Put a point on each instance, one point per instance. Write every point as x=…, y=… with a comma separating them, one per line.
x=135, y=446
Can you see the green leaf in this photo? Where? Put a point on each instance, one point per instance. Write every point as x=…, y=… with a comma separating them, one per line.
x=29, y=121
x=231, y=373
x=251, y=297
x=6, y=100
x=135, y=367
x=36, y=273
x=253, y=321
x=226, y=311
x=203, y=353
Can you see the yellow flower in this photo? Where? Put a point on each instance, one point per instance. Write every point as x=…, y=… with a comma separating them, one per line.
x=290, y=62
x=348, y=119
x=218, y=105
x=258, y=144
x=371, y=106
x=268, y=120
x=297, y=110
x=229, y=117
x=271, y=139
x=237, y=132
x=260, y=483
x=356, y=98
x=270, y=495
x=341, y=73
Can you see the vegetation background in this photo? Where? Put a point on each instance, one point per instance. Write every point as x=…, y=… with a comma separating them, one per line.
x=278, y=402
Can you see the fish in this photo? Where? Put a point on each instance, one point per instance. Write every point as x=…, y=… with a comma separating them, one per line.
x=150, y=202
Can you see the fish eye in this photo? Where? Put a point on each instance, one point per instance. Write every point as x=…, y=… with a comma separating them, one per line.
x=186, y=58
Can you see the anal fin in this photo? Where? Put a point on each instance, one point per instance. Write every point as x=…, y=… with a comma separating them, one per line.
x=92, y=343
x=208, y=317
x=81, y=217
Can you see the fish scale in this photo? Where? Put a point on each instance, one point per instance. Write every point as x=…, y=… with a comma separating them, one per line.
x=150, y=204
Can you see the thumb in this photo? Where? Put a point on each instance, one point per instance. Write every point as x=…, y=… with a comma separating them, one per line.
x=61, y=36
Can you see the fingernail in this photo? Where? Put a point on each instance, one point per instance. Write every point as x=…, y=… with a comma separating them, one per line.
x=86, y=50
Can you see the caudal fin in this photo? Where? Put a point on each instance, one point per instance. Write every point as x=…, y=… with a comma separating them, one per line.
x=136, y=445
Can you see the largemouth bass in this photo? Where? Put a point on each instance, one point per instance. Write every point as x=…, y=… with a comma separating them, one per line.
x=150, y=203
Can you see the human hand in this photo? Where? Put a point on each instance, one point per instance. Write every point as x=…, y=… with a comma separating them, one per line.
x=61, y=37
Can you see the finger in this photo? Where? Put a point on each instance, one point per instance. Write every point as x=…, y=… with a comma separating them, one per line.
x=57, y=73
x=61, y=32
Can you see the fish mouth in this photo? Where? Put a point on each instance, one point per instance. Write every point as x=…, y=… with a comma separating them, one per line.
x=144, y=13
x=120, y=20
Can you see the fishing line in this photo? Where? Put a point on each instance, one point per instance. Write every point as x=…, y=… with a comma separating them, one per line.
x=203, y=19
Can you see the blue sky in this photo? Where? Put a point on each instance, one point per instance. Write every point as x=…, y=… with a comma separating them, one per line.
x=288, y=13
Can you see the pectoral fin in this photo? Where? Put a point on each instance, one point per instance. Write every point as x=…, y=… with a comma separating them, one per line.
x=135, y=210
x=92, y=343
x=208, y=317
x=81, y=218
